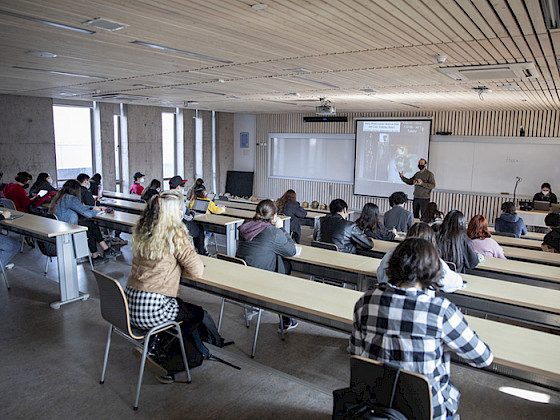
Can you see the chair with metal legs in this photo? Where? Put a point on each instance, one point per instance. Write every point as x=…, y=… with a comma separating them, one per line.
x=4, y=275
x=114, y=309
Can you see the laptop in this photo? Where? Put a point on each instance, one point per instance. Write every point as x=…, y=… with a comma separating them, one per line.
x=555, y=208
x=211, y=196
x=541, y=205
x=200, y=206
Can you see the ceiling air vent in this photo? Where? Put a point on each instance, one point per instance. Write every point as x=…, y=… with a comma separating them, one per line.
x=491, y=72
x=119, y=96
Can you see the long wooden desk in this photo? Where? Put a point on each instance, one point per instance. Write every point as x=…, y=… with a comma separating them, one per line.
x=247, y=214
x=529, y=304
x=518, y=352
x=533, y=217
x=309, y=220
x=124, y=205
x=121, y=196
x=71, y=243
x=530, y=235
x=125, y=222
x=517, y=242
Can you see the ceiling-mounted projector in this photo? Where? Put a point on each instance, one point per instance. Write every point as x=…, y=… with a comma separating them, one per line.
x=326, y=108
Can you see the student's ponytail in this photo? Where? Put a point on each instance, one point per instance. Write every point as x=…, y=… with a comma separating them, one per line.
x=266, y=210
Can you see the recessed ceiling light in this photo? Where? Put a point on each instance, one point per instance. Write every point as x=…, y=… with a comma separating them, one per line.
x=221, y=81
x=105, y=24
x=297, y=71
x=315, y=81
x=197, y=90
x=62, y=73
x=258, y=6
x=368, y=90
x=42, y=54
x=47, y=22
x=67, y=94
x=175, y=50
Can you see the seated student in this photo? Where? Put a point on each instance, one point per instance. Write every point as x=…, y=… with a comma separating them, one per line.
x=449, y=282
x=398, y=217
x=289, y=206
x=153, y=189
x=200, y=194
x=43, y=182
x=95, y=187
x=195, y=230
x=263, y=243
x=453, y=243
x=136, y=188
x=370, y=223
x=546, y=194
x=15, y=191
x=481, y=238
x=551, y=242
x=162, y=254
x=85, y=196
x=9, y=246
x=197, y=184
x=509, y=221
x=432, y=215
x=2, y=185
x=335, y=228
x=400, y=322
x=67, y=207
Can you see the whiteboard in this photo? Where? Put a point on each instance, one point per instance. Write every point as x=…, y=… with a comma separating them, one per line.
x=312, y=157
x=491, y=164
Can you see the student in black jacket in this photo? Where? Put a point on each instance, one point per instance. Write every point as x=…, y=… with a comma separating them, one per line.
x=263, y=243
x=370, y=223
x=43, y=182
x=546, y=194
x=454, y=244
x=336, y=229
x=288, y=206
x=86, y=196
x=153, y=189
x=551, y=241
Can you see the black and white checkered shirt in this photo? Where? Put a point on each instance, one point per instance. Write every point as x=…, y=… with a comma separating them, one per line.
x=149, y=309
x=411, y=327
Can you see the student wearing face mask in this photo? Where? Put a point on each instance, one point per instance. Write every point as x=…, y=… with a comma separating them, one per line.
x=424, y=182
x=43, y=182
x=335, y=228
x=15, y=191
x=546, y=194
x=136, y=188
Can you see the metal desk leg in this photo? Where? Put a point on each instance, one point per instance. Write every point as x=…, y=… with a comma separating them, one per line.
x=67, y=272
x=231, y=239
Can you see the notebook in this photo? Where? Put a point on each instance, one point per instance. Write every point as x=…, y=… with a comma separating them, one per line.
x=200, y=206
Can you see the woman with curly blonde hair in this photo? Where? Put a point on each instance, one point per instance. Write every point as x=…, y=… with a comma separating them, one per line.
x=162, y=254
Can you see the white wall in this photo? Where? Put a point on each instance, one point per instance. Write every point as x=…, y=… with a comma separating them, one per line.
x=244, y=159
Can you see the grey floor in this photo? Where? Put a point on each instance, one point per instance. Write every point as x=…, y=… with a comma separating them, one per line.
x=52, y=359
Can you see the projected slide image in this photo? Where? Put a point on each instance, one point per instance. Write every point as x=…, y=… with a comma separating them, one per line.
x=385, y=148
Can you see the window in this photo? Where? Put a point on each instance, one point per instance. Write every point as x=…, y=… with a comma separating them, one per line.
x=72, y=134
x=168, y=143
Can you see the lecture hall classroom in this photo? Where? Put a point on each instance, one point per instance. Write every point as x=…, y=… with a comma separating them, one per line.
x=214, y=89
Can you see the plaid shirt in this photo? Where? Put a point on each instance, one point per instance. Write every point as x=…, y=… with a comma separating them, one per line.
x=411, y=327
x=149, y=309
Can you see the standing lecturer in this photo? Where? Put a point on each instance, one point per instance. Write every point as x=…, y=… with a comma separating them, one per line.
x=424, y=182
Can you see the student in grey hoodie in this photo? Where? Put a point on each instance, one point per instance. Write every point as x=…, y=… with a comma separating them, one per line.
x=509, y=221
x=263, y=244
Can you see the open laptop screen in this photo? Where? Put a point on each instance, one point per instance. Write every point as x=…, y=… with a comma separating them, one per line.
x=200, y=206
x=541, y=205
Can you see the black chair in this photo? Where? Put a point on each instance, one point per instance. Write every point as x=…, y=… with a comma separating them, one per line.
x=324, y=245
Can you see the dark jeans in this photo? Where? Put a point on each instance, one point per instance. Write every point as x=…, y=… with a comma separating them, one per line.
x=418, y=206
x=197, y=233
x=94, y=235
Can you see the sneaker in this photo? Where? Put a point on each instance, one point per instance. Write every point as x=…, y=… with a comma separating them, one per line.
x=9, y=266
x=293, y=323
x=99, y=261
x=152, y=366
x=111, y=253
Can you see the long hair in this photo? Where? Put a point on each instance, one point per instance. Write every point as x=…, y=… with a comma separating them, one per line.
x=41, y=178
x=289, y=195
x=452, y=238
x=478, y=228
x=71, y=187
x=154, y=185
x=369, y=219
x=266, y=210
x=96, y=178
x=160, y=231
x=431, y=213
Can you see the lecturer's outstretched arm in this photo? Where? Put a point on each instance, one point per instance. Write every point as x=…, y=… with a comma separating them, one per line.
x=405, y=179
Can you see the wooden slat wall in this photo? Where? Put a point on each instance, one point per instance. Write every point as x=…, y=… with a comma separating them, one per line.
x=484, y=123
